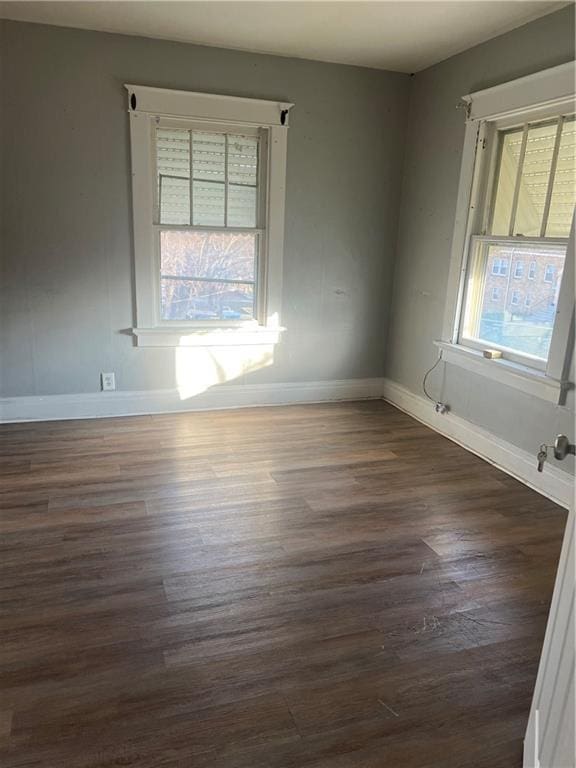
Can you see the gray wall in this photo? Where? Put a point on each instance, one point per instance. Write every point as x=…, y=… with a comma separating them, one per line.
x=66, y=246
x=428, y=205
x=67, y=221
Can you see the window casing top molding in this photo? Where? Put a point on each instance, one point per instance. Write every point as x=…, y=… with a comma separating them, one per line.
x=548, y=91
x=207, y=106
x=534, y=98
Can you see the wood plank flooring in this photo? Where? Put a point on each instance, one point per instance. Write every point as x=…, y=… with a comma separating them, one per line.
x=322, y=586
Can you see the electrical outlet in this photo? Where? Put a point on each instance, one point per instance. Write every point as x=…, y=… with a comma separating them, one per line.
x=441, y=408
x=108, y=382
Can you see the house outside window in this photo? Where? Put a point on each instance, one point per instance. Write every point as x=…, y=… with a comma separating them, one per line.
x=532, y=270
x=515, y=300
x=518, y=269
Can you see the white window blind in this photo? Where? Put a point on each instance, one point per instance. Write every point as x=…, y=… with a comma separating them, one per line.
x=535, y=190
x=207, y=179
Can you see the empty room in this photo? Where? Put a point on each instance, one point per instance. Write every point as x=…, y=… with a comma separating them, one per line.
x=287, y=427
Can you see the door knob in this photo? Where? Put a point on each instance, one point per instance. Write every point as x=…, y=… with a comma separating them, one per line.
x=563, y=447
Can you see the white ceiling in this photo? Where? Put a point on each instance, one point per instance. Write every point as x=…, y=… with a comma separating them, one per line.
x=405, y=36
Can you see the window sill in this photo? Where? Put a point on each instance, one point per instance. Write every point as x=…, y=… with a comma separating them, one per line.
x=185, y=336
x=528, y=380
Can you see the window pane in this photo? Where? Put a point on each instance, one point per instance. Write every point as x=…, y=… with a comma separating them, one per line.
x=241, y=206
x=174, y=200
x=243, y=181
x=208, y=203
x=209, y=167
x=517, y=314
x=564, y=189
x=209, y=156
x=214, y=257
x=173, y=169
x=199, y=300
x=211, y=255
x=507, y=172
x=534, y=177
x=242, y=160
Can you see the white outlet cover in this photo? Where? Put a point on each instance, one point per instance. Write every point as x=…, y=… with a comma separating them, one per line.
x=108, y=382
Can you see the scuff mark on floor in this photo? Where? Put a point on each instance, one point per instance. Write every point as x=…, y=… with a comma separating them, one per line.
x=388, y=708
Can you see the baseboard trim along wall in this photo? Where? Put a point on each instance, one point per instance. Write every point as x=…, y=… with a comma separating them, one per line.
x=554, y=483
x=93, y=405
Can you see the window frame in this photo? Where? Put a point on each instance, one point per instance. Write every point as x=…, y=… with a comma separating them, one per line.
x=537, y=97
x=149, y=107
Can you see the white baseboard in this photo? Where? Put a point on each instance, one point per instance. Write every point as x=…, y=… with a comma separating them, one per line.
x=92, y=405
x=553, y=483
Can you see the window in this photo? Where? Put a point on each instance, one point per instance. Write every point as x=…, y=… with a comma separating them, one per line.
x=532, y=196
x=495, y=294
x=500, y=267
x=209, y=187
x=208, y=197
x=516, y=204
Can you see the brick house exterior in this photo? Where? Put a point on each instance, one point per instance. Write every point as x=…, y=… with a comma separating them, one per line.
x=521, y=290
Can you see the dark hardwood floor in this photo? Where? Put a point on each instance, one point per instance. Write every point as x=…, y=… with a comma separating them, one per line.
x=322, y=586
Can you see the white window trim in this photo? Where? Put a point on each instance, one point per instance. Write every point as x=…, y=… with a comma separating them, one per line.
x=546, y=93
x=145, y=105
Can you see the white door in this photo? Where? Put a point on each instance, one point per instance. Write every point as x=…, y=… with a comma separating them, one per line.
x=550, y=736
